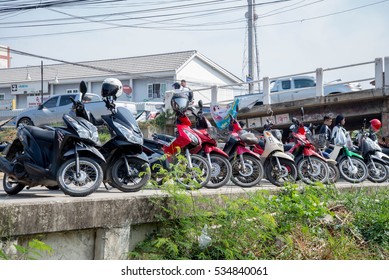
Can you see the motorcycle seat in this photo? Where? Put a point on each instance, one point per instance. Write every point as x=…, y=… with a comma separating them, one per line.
x=249, y=138
x=287, y=147
x=261, y=143
x=163, y=137
x=152, y=144
x=40, y=133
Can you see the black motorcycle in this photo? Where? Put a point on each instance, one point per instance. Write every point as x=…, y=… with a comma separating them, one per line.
x=54, y=156
x=126, y=167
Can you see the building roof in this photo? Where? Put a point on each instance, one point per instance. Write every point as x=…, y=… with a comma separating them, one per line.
x=132, y=66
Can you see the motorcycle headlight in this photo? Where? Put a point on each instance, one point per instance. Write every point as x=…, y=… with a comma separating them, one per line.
x=193, y=138
x=129, y=134
x=90, y=133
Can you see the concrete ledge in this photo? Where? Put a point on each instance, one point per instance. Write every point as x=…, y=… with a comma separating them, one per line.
x=104, y=225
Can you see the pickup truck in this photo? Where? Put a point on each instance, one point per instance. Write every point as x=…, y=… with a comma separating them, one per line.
x=295, y=88
x=52, y=110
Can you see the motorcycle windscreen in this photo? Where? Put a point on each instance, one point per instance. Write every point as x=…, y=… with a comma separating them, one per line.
x=126, y=117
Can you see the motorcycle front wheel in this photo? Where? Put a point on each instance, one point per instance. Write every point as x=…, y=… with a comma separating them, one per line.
x=355, y=173
x=132, y=179
x=11, y=186
x=312, y=169
x=198, y=176
x=246, y=174
x=82, y=184
x=279, y=176
x=378, y=174
x=221, y=172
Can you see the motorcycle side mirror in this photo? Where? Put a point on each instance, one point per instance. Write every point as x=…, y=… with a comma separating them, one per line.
x=200, y=103
x=83, y=89
x=302, y=111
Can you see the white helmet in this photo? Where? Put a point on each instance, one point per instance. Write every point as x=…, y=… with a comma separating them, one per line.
x=111, y=87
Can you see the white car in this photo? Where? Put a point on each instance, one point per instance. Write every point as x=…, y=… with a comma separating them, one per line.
x=52, y=110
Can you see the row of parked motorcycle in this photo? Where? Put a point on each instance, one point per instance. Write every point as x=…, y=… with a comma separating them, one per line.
x=71, y=157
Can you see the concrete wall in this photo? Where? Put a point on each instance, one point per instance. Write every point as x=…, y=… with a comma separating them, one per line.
x=79, y=228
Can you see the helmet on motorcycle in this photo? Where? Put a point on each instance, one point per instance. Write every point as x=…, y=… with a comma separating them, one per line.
x=179, y=102
x=375, y=124
x=111, y=87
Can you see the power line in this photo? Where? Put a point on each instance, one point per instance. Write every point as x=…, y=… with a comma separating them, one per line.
x=191, y=29
x=68, y=62
x=326, y=15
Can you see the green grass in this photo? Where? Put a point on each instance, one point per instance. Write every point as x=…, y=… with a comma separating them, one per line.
x=314, y=223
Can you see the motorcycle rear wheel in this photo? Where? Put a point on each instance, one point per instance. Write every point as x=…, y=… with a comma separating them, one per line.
x=11, y=186
x=221, y=172
x=287, y=174
x=130, y=182
x=334, y=174
x=252, y=174
x=91, y=176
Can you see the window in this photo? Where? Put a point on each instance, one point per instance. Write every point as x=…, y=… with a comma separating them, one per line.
x=303, y=83
x=91, y=98
x=2, y=97
x=286, y=84
x=65, y=100
x=72, y=90
x=155, y=90
x=52, y=102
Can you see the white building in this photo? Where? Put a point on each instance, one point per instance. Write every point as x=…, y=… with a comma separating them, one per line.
x=145, y=78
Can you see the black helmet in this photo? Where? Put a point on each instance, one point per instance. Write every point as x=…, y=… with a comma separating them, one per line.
x=111, y=87
x=176, y=85
x=179, y=102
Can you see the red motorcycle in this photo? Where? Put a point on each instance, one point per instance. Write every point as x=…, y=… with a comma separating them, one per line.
x=198, y=172
x=217, y=158
x=311, y=166
x=247, y=170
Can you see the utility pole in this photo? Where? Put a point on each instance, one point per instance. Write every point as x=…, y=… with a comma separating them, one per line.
x=250, y=25
x=41, y=81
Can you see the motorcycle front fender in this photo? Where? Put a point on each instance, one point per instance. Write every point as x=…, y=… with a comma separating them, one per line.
x=141, y=156
x=282, y=155
x=208, y=149
x=85, y=149
x=383, y=156
x=243, y=150
x=378, y=159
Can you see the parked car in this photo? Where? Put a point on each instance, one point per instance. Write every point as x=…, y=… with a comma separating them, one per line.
x=295, y=88
x=52, y=110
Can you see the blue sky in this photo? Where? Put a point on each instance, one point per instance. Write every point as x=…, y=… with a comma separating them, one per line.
x=325, y=33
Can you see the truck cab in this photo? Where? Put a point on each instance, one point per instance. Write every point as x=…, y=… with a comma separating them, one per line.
x=303, y=87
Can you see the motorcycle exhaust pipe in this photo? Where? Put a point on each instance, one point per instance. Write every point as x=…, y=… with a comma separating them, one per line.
x=6, y=166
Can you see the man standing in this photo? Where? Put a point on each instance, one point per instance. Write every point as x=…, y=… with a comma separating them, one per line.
x=183, y=85
x=186, y=89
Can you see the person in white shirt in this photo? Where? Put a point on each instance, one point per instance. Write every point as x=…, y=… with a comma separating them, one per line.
x=338, y=136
